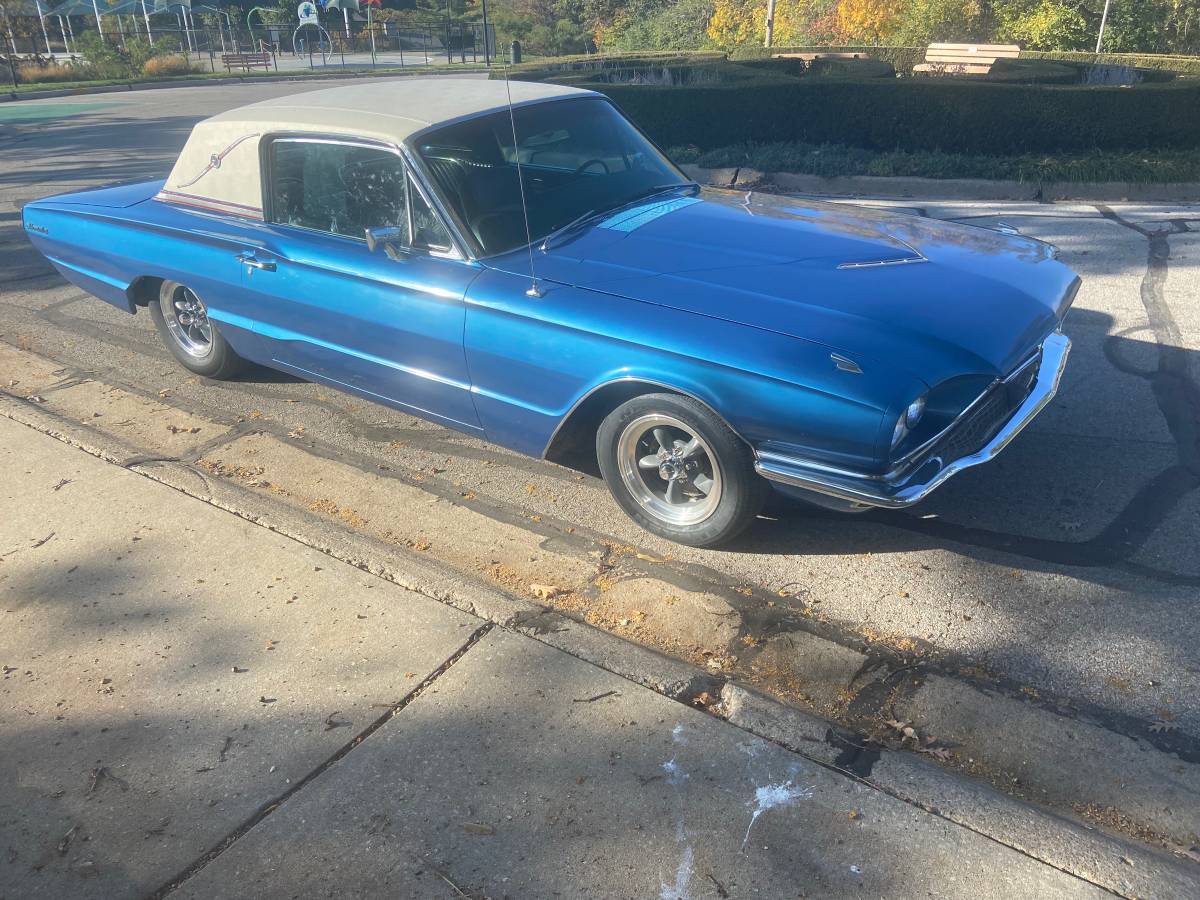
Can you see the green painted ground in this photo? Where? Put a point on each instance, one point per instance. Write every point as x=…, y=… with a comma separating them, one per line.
x=11, y=113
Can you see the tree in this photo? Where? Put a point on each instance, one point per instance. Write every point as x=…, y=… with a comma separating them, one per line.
x=735, y=22
x=663, y=25
x=871, y=21
x=929, y=21
x=1045, y=25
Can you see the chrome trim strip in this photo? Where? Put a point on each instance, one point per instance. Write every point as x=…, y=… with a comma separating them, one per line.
x=208, y=204
x=899, y=493
x=874, y=264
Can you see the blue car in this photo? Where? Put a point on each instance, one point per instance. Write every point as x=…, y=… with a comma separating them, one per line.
x=522, y=264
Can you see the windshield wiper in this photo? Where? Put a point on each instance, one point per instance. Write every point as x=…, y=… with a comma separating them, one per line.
x=575, y=223
x=563, y=229
x=660, y=189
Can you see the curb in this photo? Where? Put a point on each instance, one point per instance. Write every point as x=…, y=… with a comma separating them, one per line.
x=1111, y=861
x=946, y=189
x=17, y=96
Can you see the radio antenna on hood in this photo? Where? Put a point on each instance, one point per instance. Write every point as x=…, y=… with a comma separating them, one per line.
x=534, y=289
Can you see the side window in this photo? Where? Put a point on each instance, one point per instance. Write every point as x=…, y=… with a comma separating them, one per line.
x=337, y=188
x=428, y=231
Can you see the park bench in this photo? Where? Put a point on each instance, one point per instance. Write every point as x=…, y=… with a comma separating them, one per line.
x=965, y=59
x=245, y=61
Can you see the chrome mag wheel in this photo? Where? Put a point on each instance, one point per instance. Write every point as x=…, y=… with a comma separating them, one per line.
x=186, y=318
x=669, y=470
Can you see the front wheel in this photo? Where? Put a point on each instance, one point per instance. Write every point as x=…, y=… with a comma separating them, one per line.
x=678, y=470
x=183, y=324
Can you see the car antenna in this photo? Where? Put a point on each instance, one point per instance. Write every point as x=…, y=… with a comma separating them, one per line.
x=534, y=289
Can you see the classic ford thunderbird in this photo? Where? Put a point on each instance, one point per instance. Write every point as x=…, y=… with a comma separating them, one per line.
x=530, y=269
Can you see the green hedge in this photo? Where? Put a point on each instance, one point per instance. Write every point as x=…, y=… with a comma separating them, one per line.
x=822, y=68
x=1036, y=71
x=947, y=114
x=1182, y=65
x=544, y=69
x=902, y=59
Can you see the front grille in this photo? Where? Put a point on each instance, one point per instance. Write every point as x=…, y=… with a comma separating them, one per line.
x=981, y=424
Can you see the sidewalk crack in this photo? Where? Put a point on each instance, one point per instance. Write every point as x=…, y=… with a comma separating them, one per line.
x=272, y=805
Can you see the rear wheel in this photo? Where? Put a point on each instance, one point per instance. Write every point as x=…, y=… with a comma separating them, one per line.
x=678, y=470
x=182, y=322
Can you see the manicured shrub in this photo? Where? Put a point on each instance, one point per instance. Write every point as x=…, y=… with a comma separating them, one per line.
x=949, y=114
x=826, y=67
x=1034, y=71
x=902, y=59
x=1034, y=106
x=1182, y=65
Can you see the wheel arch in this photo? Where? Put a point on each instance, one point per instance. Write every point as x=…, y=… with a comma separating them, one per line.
x=573, y=442
x=144, y=290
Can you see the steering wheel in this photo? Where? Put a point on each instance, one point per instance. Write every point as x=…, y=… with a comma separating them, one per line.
x=594, y=162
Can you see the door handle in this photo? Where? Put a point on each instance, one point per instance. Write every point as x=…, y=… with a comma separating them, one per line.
x=249, y=259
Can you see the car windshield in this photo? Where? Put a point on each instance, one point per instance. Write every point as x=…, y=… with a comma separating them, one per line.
x=578, y=157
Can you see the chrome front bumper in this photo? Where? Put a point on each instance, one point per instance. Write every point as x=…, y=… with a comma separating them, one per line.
x=913, y=486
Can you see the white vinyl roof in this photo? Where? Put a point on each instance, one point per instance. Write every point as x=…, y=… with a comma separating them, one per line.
x=392, y=110
x=219, y=168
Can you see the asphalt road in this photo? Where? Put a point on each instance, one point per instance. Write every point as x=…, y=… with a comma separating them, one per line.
x=1069, y=566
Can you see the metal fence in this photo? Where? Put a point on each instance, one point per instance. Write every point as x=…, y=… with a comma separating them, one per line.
x=290, y=46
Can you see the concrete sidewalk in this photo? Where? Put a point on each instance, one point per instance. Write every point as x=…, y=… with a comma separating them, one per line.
x=194, y=705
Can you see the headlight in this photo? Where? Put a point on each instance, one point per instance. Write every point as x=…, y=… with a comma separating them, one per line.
x=913, y=414
x=908, y=421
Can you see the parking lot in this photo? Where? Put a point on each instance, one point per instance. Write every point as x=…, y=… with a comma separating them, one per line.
x=1068, y=569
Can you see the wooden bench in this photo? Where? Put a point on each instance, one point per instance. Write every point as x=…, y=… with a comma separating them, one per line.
x=965, y=59
x=246, y=61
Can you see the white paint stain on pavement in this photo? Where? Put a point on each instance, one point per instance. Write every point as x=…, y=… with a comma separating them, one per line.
x=683, y=878
x=676, y=777
x=770, y=797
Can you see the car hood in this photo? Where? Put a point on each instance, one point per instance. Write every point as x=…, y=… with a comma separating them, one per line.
x=933, y=298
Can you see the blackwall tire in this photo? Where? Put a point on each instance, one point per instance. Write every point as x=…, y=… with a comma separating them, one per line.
x=679, y=471
x=182, y=322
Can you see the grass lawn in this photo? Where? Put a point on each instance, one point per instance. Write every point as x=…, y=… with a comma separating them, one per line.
x=830, y=160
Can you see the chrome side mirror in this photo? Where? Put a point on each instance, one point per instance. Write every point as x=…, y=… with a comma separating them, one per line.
x=384, y=236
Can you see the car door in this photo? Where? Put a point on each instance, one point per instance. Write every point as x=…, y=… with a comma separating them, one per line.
x=386, y=325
